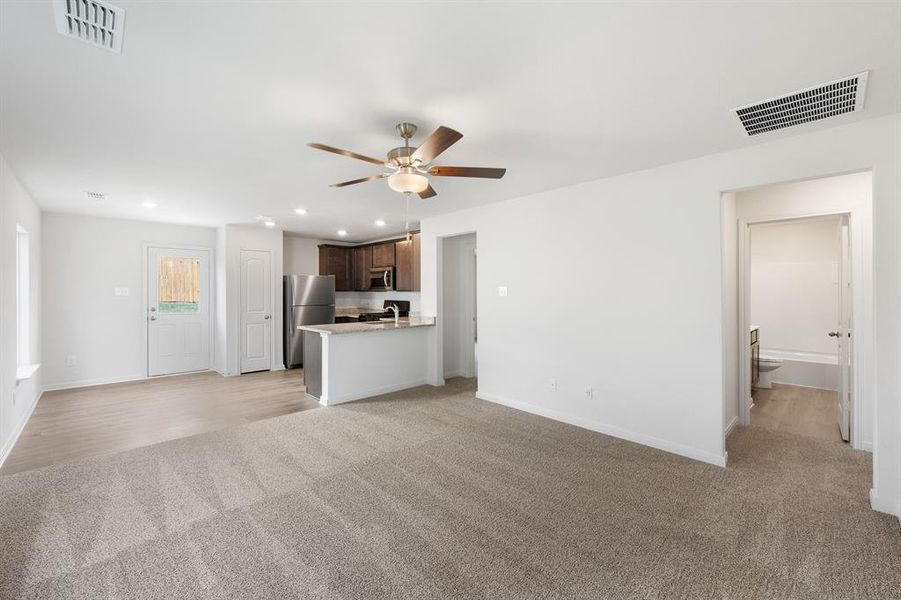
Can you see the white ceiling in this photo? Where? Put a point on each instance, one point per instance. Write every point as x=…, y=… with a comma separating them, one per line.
x=209, y=107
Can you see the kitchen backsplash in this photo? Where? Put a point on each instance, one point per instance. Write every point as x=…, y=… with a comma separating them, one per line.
x=375, y=299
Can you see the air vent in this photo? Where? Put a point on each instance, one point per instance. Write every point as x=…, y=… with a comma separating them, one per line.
x=810, y=104
x=95, y=195
x=96, y=23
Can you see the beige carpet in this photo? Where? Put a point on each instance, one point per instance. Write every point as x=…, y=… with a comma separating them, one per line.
x=433, y=494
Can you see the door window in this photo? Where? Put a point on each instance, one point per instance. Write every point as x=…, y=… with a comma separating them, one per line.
x=179, y=284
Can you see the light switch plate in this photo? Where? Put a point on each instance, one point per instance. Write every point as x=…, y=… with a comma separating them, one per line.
x=502, y=291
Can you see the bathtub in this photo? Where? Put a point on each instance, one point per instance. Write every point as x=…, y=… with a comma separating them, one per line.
x=811, y=369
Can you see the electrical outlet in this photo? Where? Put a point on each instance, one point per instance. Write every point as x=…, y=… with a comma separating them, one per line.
x=589, y=393
x=121, y=291
x=502, y=291
x=70, y=360
x=553, y=385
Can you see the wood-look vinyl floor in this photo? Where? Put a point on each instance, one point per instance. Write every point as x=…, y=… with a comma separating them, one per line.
x=800, y=410
x=69, y=425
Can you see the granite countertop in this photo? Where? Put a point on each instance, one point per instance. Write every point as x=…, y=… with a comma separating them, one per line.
x=382, y=325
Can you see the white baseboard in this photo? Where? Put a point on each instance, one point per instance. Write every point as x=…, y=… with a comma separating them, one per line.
x=71, y=385
x=611, y=430
x=866, y=447
x=892, y=507
x=732, y=424
x=11, y=442
x=396, y=387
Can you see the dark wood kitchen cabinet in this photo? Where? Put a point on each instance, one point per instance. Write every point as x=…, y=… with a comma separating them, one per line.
x=383, y=254
x=361, y=262
x=407, y=258
x=335, y=260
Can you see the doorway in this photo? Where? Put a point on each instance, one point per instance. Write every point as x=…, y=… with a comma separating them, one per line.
x=256, y=310
x=178, y=310
x=835, y=353
x=799, y=297
x=459, y=320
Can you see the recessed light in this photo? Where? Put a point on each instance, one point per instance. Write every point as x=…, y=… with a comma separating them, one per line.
x=148, y=204
x=269, y=223
x=342, y=232
x=300, y=211
x=380, y=223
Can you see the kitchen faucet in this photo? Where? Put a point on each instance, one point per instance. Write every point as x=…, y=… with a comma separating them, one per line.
x=396, y=310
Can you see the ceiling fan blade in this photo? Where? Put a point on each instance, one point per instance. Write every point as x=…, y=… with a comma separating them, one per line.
x=361, y=180
x=483, y=172
x=348, y=153
x=428, y=192
x=440, y=140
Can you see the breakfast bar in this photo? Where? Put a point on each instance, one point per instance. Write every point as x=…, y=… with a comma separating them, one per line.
x=350, y=361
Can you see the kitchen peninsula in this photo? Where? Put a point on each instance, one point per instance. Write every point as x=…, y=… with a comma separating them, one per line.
x=350, y=361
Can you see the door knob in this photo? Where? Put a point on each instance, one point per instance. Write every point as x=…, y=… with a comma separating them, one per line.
x=266, y=317
x=834, y=334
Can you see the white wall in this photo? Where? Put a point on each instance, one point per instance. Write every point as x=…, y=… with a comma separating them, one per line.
x=459, y=306
x=794, y=285
x=250, y=237
x=17, y=400
x=855, y=193
x=84, y=259
x=301, y=255
x=644, y=251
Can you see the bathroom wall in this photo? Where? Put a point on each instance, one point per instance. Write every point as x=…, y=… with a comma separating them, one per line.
x=794, y=285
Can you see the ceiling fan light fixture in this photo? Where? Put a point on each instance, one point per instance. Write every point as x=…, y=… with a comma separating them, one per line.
x=408, y=180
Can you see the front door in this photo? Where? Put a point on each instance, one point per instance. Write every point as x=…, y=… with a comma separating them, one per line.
x=178, y=306
x=256, y=311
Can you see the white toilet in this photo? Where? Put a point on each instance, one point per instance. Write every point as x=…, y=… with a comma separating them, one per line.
x=767, y=366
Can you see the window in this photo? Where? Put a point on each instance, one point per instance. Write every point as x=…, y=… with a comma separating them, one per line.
x=23, y=293
x=179, y=284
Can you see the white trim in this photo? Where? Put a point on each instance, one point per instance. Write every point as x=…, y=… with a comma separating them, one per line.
x=884, y=506
x=83, y=383
x=866, y=446
x=732, y=424
x=26, y=372
x=611, y=430
x=11, y=442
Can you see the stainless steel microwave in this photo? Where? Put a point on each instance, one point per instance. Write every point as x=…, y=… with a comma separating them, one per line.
x=381, y=278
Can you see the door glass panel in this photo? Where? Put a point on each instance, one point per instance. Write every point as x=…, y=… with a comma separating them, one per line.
x=179, y=284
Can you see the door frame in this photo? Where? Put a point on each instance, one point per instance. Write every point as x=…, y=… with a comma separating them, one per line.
x=145, y=305
x=272, y=306
x=860, y=314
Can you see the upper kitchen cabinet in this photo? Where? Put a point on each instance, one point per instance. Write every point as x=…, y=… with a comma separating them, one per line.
x=335, y=260
x=383, y=255
x=407, y=257
x=361, y=262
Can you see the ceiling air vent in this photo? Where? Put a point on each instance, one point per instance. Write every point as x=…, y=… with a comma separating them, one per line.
x=95, y=195
x=96, y=23
x=810, y=104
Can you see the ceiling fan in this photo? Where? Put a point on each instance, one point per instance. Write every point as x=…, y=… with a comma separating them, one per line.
x=411, y=165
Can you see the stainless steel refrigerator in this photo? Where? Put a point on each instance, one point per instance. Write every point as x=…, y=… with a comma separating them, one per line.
x=309, y=300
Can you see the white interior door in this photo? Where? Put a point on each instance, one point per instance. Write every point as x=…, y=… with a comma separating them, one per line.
x=178, y=307
x=843, y=332
x=256, y=311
